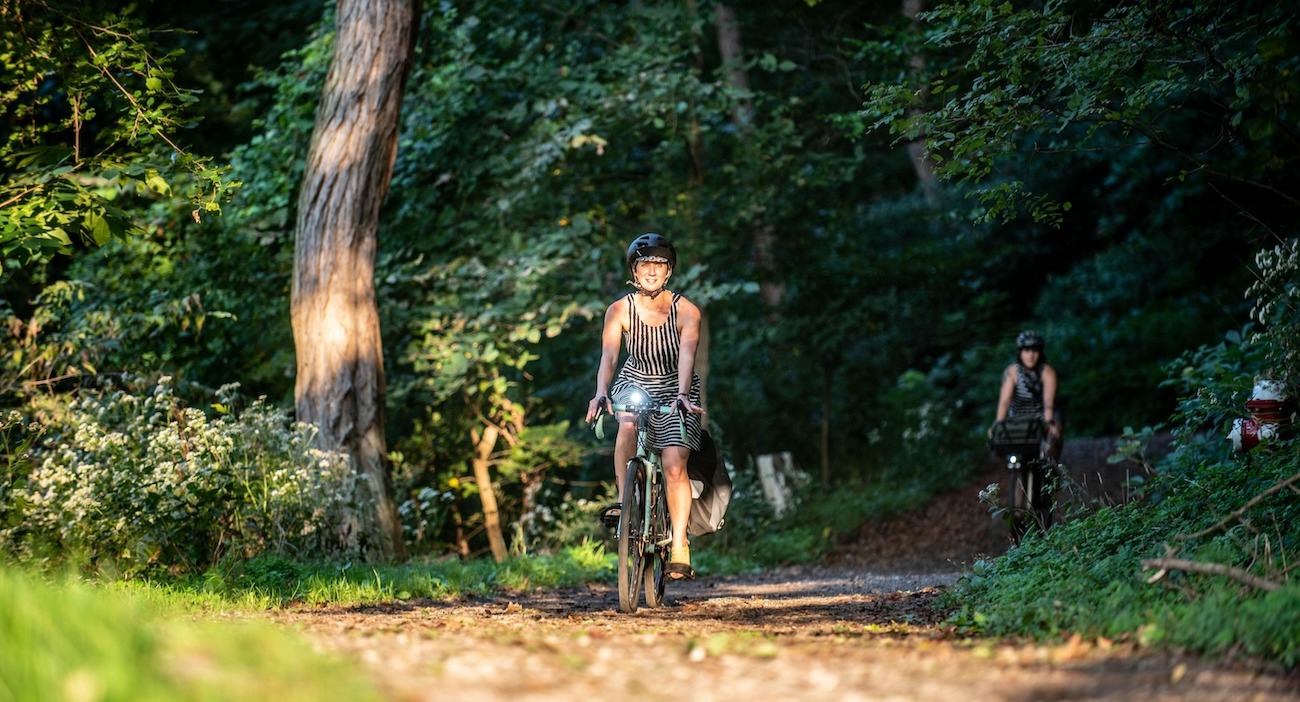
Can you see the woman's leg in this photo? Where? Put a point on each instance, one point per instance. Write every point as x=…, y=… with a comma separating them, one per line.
x=624, y=449
x=679, y=496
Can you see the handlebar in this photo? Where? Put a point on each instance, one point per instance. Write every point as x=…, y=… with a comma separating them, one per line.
x=642, y=408
x=645, y=407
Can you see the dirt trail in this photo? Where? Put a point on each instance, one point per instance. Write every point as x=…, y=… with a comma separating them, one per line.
x=831, y=633
x=865, y=627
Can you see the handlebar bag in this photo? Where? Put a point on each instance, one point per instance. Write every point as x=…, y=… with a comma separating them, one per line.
x=1018, y=435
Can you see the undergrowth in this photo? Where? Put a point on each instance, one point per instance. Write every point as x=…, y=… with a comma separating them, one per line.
x=274, y=581
x=61, y=639
x=1088, y=576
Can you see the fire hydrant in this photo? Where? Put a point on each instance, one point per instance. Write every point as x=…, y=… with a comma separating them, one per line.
x=1268, y=415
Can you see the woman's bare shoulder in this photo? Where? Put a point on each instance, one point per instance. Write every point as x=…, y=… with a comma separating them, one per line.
x=617, y=310
x=685, y=306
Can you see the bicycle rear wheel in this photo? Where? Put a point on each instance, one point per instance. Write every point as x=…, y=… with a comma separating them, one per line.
x=631, y=536
x=659, y=529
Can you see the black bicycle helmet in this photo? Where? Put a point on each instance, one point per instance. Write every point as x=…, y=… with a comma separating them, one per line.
x=1029, y=339
x=648, y=245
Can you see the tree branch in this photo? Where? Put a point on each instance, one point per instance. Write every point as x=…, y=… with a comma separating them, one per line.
x=1167, y=564
x=1277, y=487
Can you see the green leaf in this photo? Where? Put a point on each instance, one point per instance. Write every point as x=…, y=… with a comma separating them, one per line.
x=157, y=184
x=98, y=229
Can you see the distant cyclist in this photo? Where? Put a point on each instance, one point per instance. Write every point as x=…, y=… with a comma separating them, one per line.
x=662, y=331
x=1029, y=389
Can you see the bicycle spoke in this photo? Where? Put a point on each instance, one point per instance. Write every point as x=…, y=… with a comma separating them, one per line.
x=631, y=537
x=657, y=550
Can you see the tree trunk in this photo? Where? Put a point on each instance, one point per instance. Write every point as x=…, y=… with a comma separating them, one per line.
x=829, y=366
x=340, y=382
x=732, y=54
x=484, y=444
x=922, y=164
x=729, y=47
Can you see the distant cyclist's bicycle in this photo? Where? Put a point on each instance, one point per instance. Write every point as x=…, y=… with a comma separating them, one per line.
x=1022, y=441
x=644, y=532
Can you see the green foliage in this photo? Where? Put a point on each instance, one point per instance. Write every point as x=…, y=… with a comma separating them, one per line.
x=96, y=132
x=133, y=479
x=283, y=581
x=1277, y=307
x=1066, y=75
x=69, y=640
x=1164, y=122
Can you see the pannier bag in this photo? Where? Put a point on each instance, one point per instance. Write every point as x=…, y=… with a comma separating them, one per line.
x=711, y=487
x=1018, y=435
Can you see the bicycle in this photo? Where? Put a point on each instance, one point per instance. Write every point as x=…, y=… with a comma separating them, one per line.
x=1022, y=441
x=644, y=532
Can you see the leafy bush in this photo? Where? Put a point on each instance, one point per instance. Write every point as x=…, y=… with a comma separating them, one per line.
x=139, y=480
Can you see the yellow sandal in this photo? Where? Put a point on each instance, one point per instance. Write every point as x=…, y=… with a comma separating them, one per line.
x=679, y=566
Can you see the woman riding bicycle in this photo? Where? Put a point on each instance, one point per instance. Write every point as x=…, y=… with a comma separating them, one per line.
x=1029, y=389
x=662, y=332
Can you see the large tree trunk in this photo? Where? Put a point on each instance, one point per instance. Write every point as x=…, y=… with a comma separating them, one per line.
x=340, y=382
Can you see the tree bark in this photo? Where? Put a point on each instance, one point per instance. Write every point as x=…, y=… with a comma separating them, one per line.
x=830, y=364
x=484, y=444
x=922, y=164
x=729, y=48
x=732, y=54
x=340, y=385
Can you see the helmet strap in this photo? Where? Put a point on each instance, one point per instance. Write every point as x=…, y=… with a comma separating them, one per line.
x=652, y=294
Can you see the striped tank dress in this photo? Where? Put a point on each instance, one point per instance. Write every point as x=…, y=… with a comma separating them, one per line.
x=1027, y=400
x=652, y=365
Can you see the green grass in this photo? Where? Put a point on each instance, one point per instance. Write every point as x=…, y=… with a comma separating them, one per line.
x=273, y=582
x=1086, y=576
x=68, y=640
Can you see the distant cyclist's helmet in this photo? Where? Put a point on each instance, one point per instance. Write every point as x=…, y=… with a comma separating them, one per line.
x=651, y=247
x=1029, y=339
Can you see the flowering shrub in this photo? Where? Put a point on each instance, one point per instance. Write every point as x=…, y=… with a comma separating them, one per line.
x=144, y=481
x=1277, y=306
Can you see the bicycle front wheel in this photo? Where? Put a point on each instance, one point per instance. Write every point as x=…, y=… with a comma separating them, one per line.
x=657, y=549
x=1021, y=505
x=631, y=536
x=1041, y=497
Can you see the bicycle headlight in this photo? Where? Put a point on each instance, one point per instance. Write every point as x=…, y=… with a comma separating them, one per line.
x=633, y=396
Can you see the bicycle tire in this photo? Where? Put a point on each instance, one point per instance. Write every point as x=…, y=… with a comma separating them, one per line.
x=1021, y=483
x=655, y=569
x=631, y=537
x=1044, y=473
